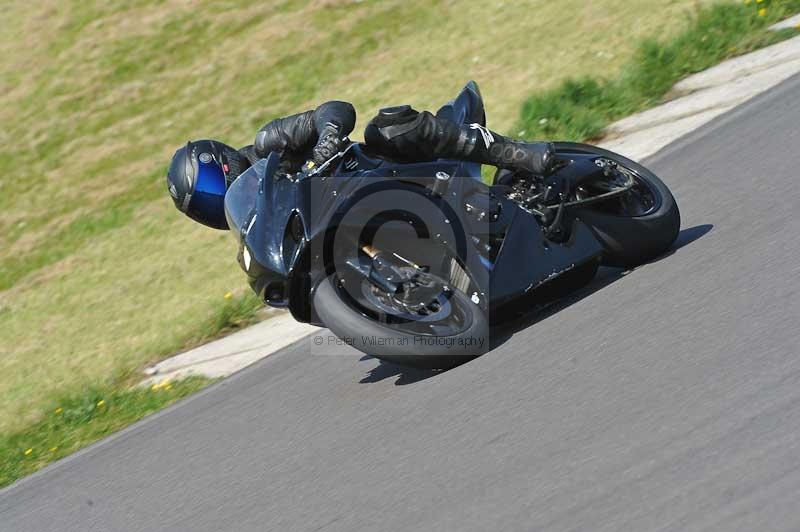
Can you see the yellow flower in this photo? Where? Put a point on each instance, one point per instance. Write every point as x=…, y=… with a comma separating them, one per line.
x=53, y=449
x=28, y=452
x=101, y=402
x=59, y=410
x=161, y=385
x=762, y=12
x=228, y=295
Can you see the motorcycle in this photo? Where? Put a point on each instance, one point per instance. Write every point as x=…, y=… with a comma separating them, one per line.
x=415, y=263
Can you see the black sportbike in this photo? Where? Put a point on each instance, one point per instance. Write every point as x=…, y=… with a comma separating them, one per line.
x=414, y=263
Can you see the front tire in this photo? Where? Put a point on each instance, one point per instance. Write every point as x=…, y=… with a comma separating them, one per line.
x=400, y=346
x=629, y=241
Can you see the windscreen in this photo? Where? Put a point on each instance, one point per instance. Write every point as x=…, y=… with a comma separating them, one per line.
x=240, y=199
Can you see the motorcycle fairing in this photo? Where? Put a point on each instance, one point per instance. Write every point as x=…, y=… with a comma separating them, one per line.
x=283, y=265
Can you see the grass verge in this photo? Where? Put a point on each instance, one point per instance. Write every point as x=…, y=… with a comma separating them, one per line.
x=580, y=108
x=74, y=422
x=236, y=312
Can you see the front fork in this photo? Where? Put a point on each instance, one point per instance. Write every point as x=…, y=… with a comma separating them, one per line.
x=389, y=272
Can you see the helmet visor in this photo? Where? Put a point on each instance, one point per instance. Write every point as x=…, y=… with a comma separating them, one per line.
x=208, y=199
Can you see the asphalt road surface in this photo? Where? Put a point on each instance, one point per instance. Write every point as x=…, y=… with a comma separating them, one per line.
x=664, y=399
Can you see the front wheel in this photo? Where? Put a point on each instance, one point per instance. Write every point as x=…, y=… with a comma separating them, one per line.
x=636, y=226
x=448, y=332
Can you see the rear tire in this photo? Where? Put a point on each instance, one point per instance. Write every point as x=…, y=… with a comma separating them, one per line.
x=630, y=241
x=406, y=348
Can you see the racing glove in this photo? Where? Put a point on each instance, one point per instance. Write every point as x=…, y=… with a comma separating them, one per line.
x=331, y=141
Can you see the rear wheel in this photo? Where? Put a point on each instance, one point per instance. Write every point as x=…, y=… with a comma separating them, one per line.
x=446, y=331
x=635, y=226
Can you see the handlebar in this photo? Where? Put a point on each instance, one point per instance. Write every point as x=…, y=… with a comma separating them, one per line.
x=310, y=169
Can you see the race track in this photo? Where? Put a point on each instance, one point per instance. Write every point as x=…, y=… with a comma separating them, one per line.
x=664, y=399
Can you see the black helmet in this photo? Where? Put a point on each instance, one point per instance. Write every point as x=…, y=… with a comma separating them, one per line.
x=198, y=177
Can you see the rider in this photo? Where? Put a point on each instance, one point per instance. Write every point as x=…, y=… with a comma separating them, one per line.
x=201, y=171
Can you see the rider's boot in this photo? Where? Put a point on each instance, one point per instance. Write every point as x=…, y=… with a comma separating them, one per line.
x=405, y=134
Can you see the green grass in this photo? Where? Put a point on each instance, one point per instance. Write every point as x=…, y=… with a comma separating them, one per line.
x=580, y=108
x=235, y=312
x=75, y=421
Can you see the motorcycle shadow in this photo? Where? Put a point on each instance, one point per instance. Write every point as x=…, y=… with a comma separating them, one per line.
x=540, y=305
x=404, y=374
